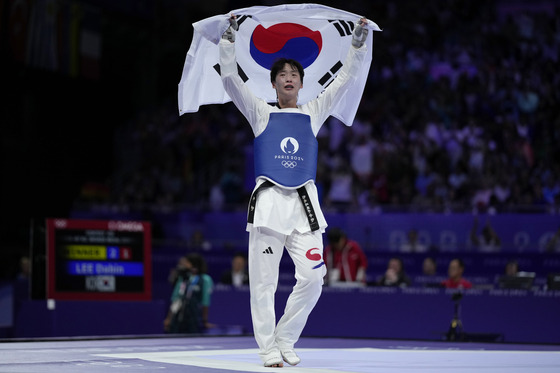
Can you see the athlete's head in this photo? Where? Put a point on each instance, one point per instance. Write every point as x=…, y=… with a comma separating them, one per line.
x=280, y=64
x=287, y=79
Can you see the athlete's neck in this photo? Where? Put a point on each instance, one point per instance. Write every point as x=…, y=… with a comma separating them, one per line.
x=287, y=104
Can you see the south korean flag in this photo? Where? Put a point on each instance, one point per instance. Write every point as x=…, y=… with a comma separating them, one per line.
x=317, y=36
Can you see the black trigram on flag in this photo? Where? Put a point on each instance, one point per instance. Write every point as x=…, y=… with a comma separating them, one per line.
x=330, y=75
x=344, y=28
x=242, y=75
x=240, y=71
x=241, y=19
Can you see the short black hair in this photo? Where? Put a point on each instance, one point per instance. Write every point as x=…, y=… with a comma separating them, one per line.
x=197, y=262
x=460, y=262
x=279, y=64
x=335, y=234
x=431, y=259
x=239, y=254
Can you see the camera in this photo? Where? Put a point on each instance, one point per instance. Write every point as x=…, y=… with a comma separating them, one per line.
x=185, y=273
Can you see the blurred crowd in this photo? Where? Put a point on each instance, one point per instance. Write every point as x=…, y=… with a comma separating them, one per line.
x=460, y=113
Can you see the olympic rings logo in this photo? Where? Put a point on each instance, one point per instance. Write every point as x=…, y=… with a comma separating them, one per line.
x=289, y=164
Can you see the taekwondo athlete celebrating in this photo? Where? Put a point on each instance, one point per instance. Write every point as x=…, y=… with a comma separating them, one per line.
x=284, y=210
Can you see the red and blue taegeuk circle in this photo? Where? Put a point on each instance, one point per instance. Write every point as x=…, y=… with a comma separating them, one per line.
x=287, y=40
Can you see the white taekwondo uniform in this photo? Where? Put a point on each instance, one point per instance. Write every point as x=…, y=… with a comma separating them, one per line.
x=279, y=217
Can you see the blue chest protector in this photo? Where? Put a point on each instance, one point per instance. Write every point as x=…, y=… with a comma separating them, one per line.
x=286, y=151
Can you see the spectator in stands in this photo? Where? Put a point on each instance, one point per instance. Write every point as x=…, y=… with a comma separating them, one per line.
x=429, y=276
x=395, y=274
x=455, y=273
x=488, y=241
x=345, y=259
x=512, y=268
x=197, y=242
x=513, y=278
x=429, y=266
x=238, y=275
x=412, y=245
x=190, y=300
x=341, y=193
x=362, y=158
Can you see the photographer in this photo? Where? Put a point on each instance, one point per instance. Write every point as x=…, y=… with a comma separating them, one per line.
x=190, y=300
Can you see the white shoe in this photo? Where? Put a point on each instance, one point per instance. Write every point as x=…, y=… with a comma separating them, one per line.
x=273, y=361
x=290, y=357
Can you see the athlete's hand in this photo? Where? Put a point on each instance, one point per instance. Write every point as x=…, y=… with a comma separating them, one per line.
x=360, y=33
x=233, y=27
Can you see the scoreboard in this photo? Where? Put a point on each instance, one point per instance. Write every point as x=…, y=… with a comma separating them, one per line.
x=98, y=260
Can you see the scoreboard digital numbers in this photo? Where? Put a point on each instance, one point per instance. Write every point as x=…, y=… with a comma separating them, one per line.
x=98, y=260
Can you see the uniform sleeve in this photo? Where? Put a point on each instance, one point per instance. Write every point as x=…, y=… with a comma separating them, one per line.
x=322, y=105
x=252, y=108
x=175, y=294
x=208, y=286
x=362, y=258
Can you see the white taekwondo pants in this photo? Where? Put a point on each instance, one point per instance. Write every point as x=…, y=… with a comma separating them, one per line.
x=265, y=251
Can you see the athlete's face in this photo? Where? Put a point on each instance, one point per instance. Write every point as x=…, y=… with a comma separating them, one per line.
x=288, y=82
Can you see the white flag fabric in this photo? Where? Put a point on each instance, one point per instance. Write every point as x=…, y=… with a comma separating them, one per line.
x=315, y=35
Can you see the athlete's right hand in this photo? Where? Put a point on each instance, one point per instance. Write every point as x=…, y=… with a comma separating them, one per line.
x=233, y=27
x=360, y=33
